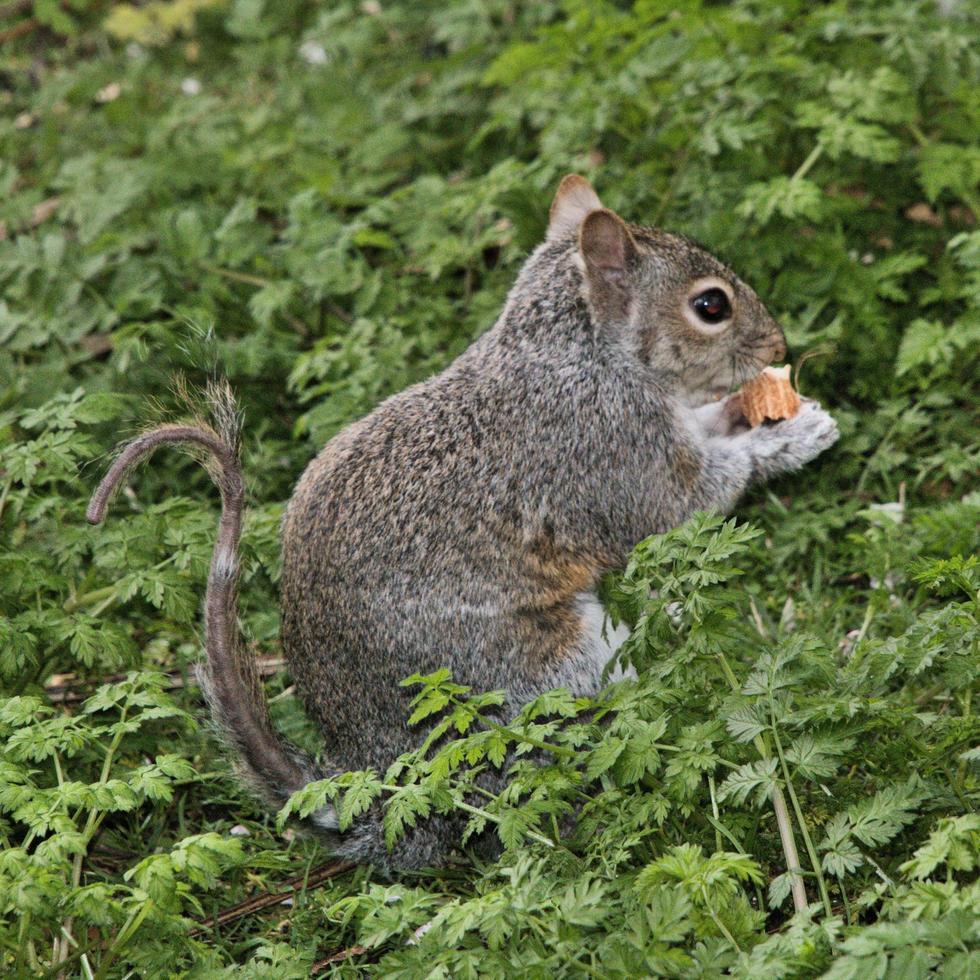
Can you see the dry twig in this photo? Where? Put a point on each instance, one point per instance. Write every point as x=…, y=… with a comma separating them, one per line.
x=19, y=30
x=295, y=886
x=342, y=954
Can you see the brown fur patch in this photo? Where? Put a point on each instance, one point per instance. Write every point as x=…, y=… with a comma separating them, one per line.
x=548, y=634
x=687, y=466
x=551, y=624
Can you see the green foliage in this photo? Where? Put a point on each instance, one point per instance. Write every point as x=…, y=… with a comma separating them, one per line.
x=662, y=874
x=155, y=22
x=326, y=203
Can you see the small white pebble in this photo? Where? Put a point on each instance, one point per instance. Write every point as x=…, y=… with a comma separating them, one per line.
x=190, y=86
x=848, y=642
x=25, y=120
x=240, y=831
x=419, y=933
x=313, y=53
x=110, y=93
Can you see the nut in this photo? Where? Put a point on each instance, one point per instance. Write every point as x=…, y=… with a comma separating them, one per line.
x=769, y=396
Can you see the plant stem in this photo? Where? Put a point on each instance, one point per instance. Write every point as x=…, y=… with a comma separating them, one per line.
x=882, y=444
x=87, y=598
x=103, y=605
x=736, y=843
x=847, y=904
x=757, y=617
x=868, y=616
x=91, y=826
x=133, y=923
x=252, y=280
x=530, y=740
x=476, y=811
x=22, y=934
x=788, y=842
x=783, y=823
x=714, y=811
x=808, y=842
x=235, y=276
x=717, y=921
x=804, y=168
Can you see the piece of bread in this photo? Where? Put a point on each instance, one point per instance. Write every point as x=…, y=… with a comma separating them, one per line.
x=770, y=395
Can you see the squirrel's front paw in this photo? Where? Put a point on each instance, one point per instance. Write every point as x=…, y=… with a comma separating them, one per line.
x=786, y=446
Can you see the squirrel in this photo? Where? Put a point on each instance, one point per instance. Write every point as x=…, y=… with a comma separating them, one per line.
x=465, y=522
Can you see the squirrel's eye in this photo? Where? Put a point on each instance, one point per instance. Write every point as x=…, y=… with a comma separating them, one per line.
x=712, y=306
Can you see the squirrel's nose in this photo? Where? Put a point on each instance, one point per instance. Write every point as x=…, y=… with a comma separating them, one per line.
x=780, y=351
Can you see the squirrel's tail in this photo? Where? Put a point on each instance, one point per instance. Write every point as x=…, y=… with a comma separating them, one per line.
x=229, y=678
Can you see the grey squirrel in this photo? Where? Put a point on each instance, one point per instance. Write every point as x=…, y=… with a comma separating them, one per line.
x=465, y=522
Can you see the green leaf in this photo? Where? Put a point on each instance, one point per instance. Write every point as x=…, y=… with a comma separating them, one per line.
x=925, y=342
x=788, y=197
x=948, y=166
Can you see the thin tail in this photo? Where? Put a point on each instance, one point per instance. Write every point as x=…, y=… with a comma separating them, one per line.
x=229, y=679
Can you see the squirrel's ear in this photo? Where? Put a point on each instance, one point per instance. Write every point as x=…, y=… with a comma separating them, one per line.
x=608, y=252
x=574, y=199
x=606, y=245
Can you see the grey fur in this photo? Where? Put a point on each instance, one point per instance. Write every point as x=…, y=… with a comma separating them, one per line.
x=465, y=521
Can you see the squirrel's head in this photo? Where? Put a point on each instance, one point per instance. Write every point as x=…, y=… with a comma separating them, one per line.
x=680, y=309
